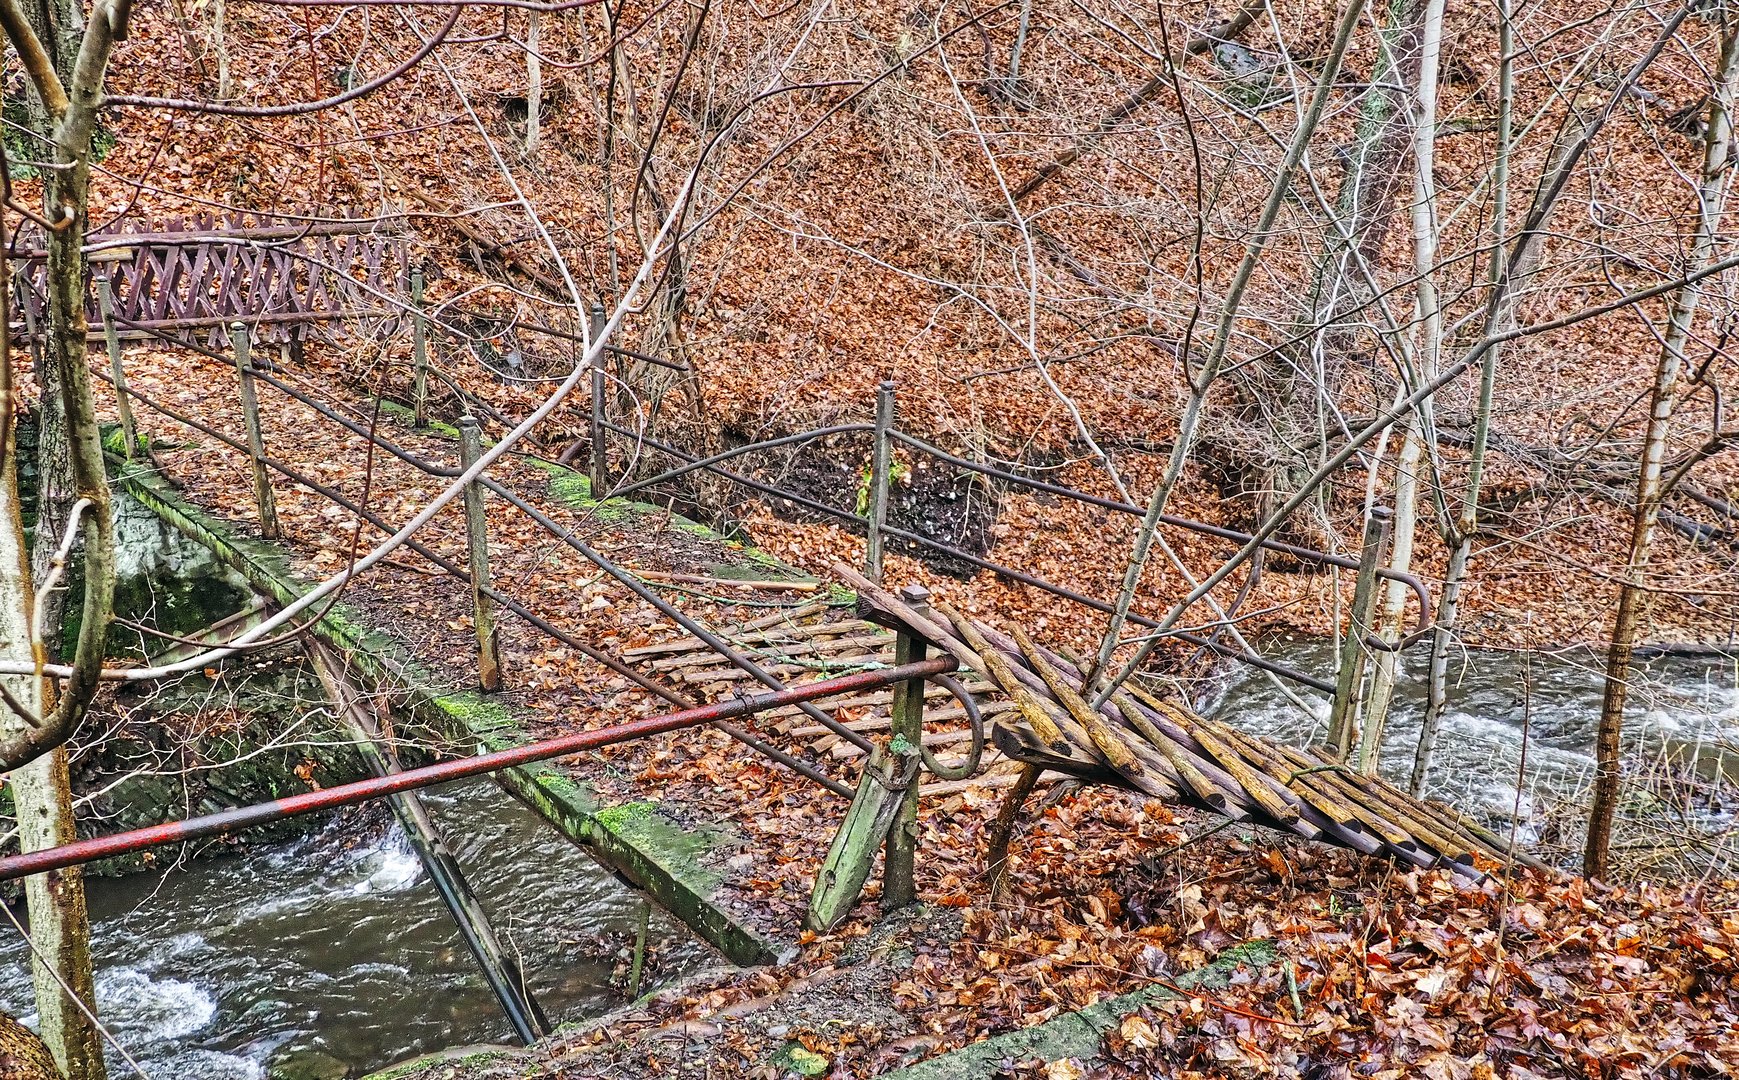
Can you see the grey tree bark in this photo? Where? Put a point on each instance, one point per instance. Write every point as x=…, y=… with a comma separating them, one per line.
x=1664, y=398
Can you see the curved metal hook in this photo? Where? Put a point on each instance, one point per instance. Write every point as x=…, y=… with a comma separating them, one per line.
x=969, y=764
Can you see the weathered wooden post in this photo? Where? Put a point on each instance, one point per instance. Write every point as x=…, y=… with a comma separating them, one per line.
x=907, y=728
x=238, y=337
x=881, y=466
x=1351, y=668
x=884, y=813
x=419, y=351
x=112, y=336
x=600, y=444
x=477, y=540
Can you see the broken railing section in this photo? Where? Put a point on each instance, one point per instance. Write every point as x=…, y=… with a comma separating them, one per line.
x=375, y=745
x=1161, y=749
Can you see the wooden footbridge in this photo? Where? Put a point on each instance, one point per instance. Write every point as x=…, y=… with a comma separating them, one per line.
x=1043, y=724
x=893, y=717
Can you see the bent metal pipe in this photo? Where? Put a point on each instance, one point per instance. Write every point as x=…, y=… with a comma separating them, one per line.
x=228, y=821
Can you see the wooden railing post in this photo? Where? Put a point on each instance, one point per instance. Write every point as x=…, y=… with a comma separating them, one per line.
x=1351, y=668
x=238, y=337
x=881, y=466
x=420, y=351
x=112, y=337
x=477, y=541
x=907, y=713
x=600, y=438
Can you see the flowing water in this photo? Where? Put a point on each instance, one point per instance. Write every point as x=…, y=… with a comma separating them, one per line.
x=1680, y=708
x=333, y=954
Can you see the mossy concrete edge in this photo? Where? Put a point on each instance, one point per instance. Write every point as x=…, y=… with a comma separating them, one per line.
x=1079, y=1034
x=659, y=861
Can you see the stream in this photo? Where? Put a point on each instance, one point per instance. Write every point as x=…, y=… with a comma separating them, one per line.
x=332, y=955
x=1680, y=708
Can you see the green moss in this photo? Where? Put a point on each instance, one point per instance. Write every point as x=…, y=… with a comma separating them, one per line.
x=799, y=1059
x=616, y=818
x=408, y=417
x=23, y=147
x=1257, y=953
x=480, y=716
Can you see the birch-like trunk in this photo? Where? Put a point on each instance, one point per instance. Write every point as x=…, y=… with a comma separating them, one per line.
x=1669, y=374
x=533, y=86
x=1458, y=533
x=41, y=792
x=1429, y=318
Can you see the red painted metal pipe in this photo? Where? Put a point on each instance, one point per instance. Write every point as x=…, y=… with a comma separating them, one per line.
x=227, y=821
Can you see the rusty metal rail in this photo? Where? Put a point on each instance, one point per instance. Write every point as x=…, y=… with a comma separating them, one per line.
x=229, y=821
x=1037, y=582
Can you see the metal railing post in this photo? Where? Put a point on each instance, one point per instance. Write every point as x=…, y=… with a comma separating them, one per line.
x=112, y=337
x=600, y=448
x=907, y=727
x=477, y=541
x=881, y=465
x=420, y=352
x=238, y=337
x=1350, y=669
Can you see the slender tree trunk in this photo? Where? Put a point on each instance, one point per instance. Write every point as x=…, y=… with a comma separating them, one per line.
x=1669, y=371
x=1458, y=533
x=41, y=791
x=1428, y=316
x=1281, y=401
x=219, y=18
x=533, y=86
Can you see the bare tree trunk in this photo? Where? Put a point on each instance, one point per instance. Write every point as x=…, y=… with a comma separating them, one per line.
x=1281, y=401
x=41, y=791
x=533, y=86
x=1458, y=533
x=220, y=46
x=1669, y=371
x=1429, y=319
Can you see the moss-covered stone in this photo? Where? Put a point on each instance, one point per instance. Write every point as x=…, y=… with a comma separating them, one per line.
x=1079, y=1034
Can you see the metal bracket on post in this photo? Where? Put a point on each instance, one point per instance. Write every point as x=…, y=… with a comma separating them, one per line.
x=238, y=336
x=112, y=337
x=420, y=352
x=1351, y=666
x=907, y=728
x=600, y=448
x=881, y=468
x=884, y=815
x=477, y=541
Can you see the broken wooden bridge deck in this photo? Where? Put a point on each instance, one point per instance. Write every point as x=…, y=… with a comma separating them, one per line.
x=1136, y=741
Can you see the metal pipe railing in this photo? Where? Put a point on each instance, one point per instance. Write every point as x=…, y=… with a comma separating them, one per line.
x=453, y=569
x=228, y=821
x=997, y=568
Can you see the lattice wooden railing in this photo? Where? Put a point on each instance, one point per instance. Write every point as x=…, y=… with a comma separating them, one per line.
x=187, y=278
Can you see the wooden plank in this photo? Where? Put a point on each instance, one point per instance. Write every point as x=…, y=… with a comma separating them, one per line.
x=842, y=876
